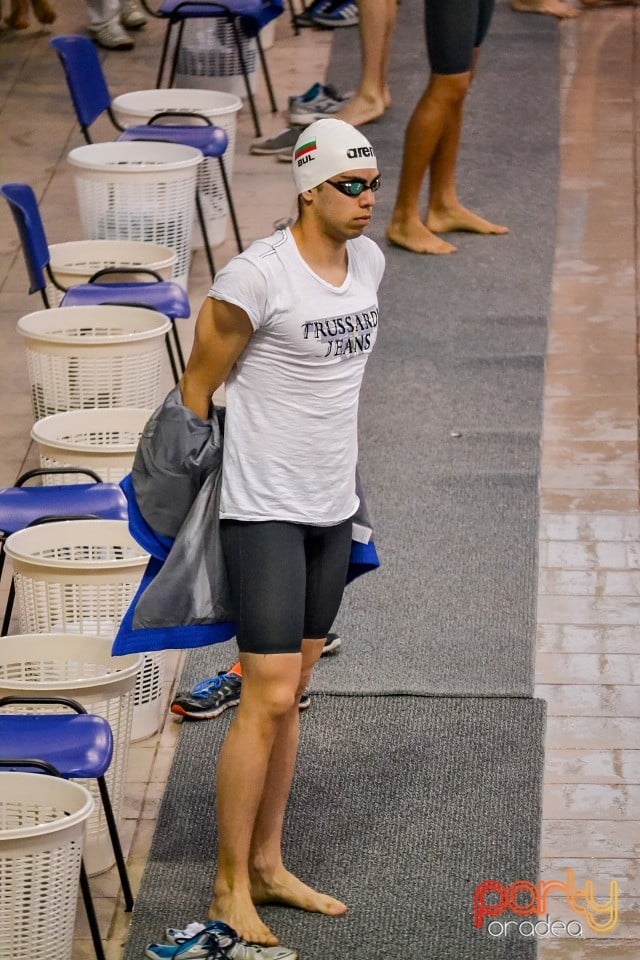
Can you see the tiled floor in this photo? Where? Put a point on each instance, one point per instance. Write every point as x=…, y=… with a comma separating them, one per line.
x=588, y=663
x=589, y=608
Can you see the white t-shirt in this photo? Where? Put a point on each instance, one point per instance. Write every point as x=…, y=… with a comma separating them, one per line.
x=291, y=445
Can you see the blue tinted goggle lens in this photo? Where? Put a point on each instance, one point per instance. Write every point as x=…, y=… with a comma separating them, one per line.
x=353, y=188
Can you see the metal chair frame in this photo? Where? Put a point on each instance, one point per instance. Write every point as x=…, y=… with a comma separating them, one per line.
x=233, y=14
x=44, y=764
x=92, y=98
x=158, y=294
x=75, y=494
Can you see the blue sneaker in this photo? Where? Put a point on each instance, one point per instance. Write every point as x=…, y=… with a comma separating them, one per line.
x=217, y=941
x=305, y=19
x=320, y=100
x=342, y=14
x=209, y=698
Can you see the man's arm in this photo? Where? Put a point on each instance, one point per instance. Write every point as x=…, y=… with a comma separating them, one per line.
x=222, y=332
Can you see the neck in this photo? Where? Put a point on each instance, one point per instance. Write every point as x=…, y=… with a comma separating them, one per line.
x=319, y=249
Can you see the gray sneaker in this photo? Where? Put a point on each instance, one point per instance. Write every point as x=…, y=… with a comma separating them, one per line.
x=131, y=16
x=111, y=36
x=283, y=141
x=319, y=101
x=332, y=643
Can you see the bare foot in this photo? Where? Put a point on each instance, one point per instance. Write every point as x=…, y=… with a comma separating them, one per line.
x=18, y=19
x=44, y=11
x=459, y=218
x=607, y=3
x=555, y=8
x=241, y=914
x=361, y=110
x=414, y=236
x=288, y=889
x=387, y=96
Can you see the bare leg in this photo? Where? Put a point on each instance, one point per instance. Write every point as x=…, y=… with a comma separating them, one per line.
x=18, y=18
x=555, y=8
x=271, y=882
x=608, y=3
x=377, y=22
x=269, y=685
x=443, y=96
x=44, y=11
x=254, y=779
x=446, y=213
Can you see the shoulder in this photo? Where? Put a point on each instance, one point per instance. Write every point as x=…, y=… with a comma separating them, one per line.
x=261, y=257
x=250, y=279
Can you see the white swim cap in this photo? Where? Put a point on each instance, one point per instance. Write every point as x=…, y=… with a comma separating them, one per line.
x=328, y=147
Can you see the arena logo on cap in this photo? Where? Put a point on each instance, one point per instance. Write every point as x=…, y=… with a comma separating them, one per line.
x=354, y=152
x=305, y=151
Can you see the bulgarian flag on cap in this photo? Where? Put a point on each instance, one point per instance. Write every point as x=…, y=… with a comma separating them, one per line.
x=305, y=148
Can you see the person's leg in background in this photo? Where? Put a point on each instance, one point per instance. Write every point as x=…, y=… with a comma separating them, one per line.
x=554, y=8
x=376, y=25
x=19, y=19
x=454, y=35
x=108, y=19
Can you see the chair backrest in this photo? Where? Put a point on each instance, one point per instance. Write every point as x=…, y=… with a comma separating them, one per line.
x=85, y=78
x=22, y=506
x=24, y=207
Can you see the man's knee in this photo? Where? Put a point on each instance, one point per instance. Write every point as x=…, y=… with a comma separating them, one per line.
x=451, y=89
x=271, y=701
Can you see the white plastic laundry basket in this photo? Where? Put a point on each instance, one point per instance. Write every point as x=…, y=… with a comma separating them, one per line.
x=101, y=440
x=138, y=191
x=76, y=261
x=42, y=825
x=79, y=576
x=87, y=357
x=208, y=57
x=218, y=107
x=82, y=668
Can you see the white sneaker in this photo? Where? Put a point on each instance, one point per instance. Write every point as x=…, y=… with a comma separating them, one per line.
x=111, y=36
x=175, y=935
x=216, y=941
x=131, y=16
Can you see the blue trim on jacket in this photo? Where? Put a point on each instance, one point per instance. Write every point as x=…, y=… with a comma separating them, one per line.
x=364, y=558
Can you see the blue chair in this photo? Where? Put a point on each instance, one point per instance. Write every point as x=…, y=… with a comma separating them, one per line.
x=21, y=506
x=246, y=17
x=76, y=746
x=91, y=98
x=164, y=296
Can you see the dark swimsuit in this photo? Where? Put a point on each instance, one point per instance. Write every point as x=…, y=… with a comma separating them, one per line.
x=455, y=28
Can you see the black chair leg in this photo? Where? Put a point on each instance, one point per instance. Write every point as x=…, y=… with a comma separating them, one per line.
x=293, y=15
x=163, y=55
x=267, y=76
x=232, y=209
x=172, y=359
x=247, y=84
x=115, y=843
x=205, y=235
x=176, y=53
x=91, y=913
x=8, y=610
x=176, y=339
